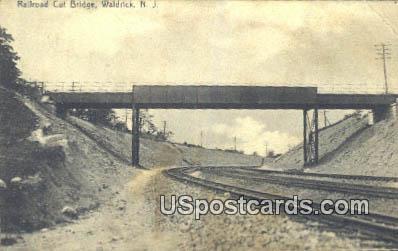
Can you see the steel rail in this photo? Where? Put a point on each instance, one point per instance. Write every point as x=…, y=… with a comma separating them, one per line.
x=368, y=190
x=322, y=175
x=383, y=227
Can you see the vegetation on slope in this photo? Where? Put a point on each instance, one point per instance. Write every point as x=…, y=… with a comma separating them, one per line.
x=9, y=71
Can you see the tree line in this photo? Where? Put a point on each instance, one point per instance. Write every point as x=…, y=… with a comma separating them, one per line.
x=108, y=118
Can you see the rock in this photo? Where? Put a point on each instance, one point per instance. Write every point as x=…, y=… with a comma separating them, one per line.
x=46, y=100
x=70, y=230
x=70, y=212
x=330, y=235
x=16, y=181
x=56, y=140
x=184, y=227
x=8, y=241
x=43, y=230
x=47, y=125
x=32, y=181
x=3, y=185
x=38, y=135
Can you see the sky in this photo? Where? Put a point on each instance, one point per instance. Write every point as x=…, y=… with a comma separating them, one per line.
x=325, y=44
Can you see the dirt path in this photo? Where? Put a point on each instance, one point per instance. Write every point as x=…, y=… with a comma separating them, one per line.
x=127, y=222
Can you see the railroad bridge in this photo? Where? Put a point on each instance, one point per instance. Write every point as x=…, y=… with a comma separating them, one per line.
x=228, y=97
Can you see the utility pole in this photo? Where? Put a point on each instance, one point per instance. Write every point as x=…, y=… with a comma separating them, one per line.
x=325, y=119
x=73, y=86
x=201, y=138
x=385, y=53
x=266, y=149
x=42, y=88
x=164, y=128
x=125, y=118
x=235, y=143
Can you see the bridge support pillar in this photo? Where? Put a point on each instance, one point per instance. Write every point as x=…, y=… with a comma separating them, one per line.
x=311, y=137
x=135, y=141
x=61, y=111
x=382, y=113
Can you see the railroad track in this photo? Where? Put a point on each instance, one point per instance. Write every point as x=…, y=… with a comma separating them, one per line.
x=376, y=226
x=331, y=186
x=322, y=175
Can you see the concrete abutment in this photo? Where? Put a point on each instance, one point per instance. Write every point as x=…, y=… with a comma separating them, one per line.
x=385, y=112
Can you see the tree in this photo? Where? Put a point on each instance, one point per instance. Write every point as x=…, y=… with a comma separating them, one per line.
x=164, y=137
x=147, y=124
x=271, y=154
x=105, y=117
x=120, y=126
x=9, y=72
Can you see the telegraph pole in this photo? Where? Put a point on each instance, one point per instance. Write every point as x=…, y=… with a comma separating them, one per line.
x=325, y=119
x=266, y=149
x=384, y=52
x=235, y=143
x=201, y=138
x=73, y=86
x=164, y=128
x=125, y=118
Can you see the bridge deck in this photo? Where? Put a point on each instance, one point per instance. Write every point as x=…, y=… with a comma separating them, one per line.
x=222, y=97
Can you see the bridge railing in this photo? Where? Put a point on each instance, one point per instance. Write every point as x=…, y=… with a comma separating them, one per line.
x=87, y=86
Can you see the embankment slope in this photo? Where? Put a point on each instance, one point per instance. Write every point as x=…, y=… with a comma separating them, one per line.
x=373, y=152
x=84, y=175
x=352, y=147
x=81, y=176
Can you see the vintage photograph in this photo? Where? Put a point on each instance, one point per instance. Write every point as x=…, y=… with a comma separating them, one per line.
x=198, y=125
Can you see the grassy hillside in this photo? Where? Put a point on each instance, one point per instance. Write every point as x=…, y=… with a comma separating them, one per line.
x=159, y=153
x=203, y=156
x=352, y=147
x=51, y=177
x=152, y=153
x=17, y=123
x=83, y=175
x=373, y=152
